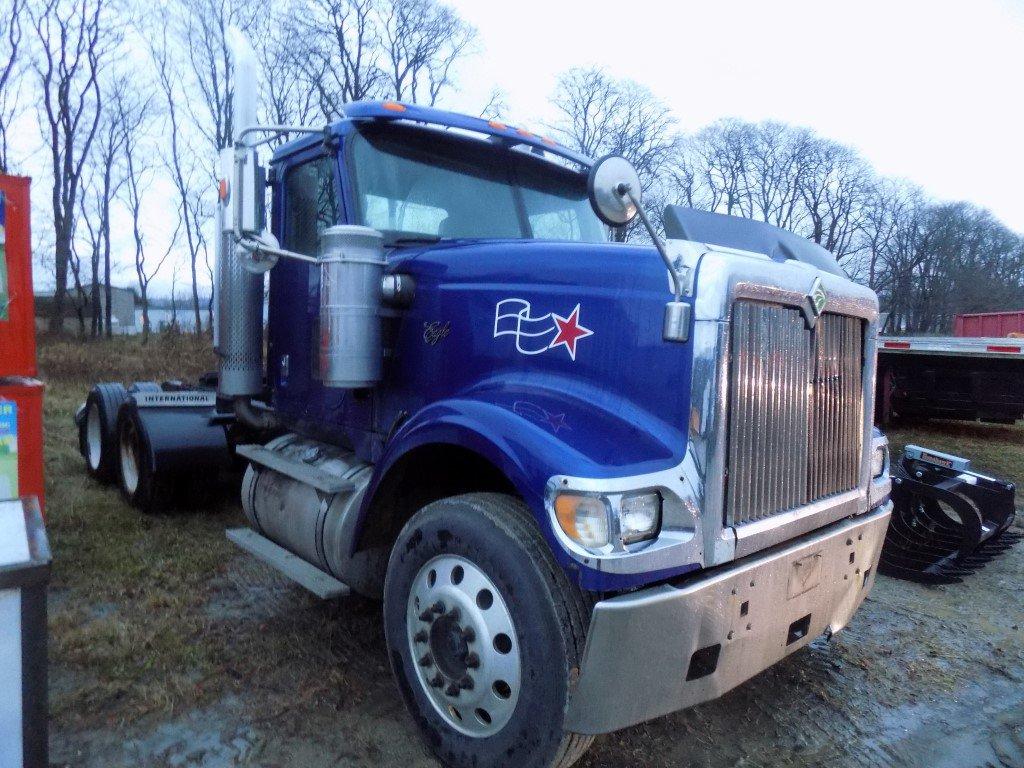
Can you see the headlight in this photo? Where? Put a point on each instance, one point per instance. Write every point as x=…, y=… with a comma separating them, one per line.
x=639, y=517
x=878, y=461
x=588, y=519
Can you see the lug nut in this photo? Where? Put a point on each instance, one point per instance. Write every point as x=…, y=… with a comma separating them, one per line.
x=436, y=681
x=437, y=607
x=472, y=660
x=466, y=683
x=421, y=636
x=427, y=615
x=426, y=660
x=468, y=634
x=455, y=614
x=453, y=689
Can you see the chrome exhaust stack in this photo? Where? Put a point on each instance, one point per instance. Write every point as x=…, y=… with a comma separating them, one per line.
x=238, y=330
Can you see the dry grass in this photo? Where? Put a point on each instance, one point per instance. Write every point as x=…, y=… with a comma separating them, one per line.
x=993, y=448
x=124, y=358
x=126, y=622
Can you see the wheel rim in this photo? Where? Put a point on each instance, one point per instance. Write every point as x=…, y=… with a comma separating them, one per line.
x=129, y=457
x=464, y=645
x=93, y=436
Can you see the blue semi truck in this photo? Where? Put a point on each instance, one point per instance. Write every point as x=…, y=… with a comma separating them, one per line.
x=593, y=482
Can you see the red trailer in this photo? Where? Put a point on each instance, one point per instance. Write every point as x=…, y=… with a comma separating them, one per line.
x=989, y=324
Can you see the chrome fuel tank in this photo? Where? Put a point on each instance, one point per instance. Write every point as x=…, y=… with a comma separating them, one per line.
x=286, y=505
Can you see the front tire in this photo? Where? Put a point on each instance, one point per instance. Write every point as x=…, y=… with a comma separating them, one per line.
x=484, y=633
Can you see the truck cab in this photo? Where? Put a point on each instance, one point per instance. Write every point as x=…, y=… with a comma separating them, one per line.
x=594, y=482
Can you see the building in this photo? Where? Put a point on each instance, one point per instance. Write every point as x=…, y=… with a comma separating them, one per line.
x=122, y=309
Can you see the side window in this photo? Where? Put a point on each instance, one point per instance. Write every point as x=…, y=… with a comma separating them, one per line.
x=310, y=204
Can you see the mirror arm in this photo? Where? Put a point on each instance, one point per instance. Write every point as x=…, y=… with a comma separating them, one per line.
x=256, y=247
x=275, y=131
x=677, y=281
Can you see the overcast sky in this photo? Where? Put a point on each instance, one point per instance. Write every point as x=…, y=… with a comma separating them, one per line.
x=930, y=91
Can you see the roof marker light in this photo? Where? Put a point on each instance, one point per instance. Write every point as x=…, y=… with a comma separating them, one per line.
x=549, y=141
x=524, y=133
x=393, y=106
x=896, y=345
x=497, y=125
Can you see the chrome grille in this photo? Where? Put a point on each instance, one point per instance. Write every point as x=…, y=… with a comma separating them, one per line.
x=795, y=410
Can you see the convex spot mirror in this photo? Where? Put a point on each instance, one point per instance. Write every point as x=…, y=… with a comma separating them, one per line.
x=256, y=260
x=614, y=189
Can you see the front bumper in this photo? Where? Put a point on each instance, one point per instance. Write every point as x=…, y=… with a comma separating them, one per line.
x=668, y=647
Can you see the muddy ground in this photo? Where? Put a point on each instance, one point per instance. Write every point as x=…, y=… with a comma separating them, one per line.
x=169, y=648
x=924, y=676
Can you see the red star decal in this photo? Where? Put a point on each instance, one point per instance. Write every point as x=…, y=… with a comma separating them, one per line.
x=569, y=331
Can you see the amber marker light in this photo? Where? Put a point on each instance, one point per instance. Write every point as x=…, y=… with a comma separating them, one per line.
x=222, y=190
x=393, y=106
x=584, y=519
x=497, y=125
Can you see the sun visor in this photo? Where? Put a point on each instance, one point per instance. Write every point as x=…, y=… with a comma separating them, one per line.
x=682, y=223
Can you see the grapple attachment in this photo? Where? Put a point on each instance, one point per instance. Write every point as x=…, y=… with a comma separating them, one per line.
x=947, y=521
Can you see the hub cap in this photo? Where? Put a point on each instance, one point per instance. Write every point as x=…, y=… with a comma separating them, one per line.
x=463, y=645
x=129, y=457
x=93, y=436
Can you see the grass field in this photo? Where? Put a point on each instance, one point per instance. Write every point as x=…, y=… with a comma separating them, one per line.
x=127, y=636
x=139, y=628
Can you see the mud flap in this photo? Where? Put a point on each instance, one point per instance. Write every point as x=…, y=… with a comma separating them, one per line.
x=947, y=521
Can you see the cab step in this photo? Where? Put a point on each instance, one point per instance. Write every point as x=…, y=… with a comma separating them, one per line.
x=321, y=584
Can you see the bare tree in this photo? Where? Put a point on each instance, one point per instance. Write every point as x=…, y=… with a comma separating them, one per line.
x=74, y=42
x=421, y=41
x=834, y=191
x=200, y=28
x=103, y=186
x=600, y=115
x=288, y=97
x=178, y=157
x=139, y=171
x=335, y=43
x=11, y=36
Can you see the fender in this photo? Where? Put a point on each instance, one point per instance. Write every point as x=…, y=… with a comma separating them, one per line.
x=531, y=434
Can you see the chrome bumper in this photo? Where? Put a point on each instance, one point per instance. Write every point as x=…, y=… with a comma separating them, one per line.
x=661, y=649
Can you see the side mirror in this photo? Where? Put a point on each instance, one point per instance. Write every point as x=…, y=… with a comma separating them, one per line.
x=614, y=190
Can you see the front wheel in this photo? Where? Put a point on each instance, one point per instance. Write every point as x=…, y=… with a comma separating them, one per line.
x=484, y=631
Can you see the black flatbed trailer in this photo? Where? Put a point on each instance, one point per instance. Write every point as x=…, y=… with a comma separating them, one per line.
x=950, y=377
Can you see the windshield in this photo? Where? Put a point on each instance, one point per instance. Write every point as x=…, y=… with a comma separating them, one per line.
x=415, y=183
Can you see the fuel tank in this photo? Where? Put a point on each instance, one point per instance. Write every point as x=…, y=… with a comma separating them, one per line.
x=307, y=504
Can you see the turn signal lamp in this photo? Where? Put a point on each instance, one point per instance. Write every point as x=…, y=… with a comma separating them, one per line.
x=584, y=519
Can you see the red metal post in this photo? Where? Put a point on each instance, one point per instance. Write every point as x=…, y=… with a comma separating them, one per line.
x=17, y=308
